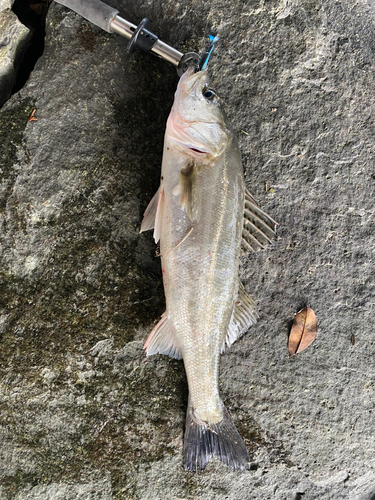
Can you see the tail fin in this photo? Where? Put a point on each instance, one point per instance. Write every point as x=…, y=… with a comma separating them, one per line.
x=219, y=440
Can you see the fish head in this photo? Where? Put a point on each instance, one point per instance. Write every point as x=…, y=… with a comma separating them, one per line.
x=197, y=123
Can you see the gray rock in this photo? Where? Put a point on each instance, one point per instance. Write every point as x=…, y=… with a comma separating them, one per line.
x=81, y=289
x=14, y=38
x=6, y=4
x=99, y=490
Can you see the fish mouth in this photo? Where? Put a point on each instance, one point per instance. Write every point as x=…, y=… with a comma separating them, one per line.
x=191, y=80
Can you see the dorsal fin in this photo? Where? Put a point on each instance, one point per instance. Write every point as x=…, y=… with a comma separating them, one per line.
x=243, y=316
x=249, y=197
x=258, y=228
x=162, y=339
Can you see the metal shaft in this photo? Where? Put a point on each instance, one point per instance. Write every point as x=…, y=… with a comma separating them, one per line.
x=161, y=49
x=122, y=27
x=167, y=52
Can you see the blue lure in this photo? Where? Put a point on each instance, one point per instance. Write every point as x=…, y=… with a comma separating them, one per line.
x=203, y=61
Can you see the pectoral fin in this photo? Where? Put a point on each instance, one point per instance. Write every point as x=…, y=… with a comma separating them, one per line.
x=258, y=228
x=153, y=215
x=162, y=339
x=243, y=316
x=188, y=189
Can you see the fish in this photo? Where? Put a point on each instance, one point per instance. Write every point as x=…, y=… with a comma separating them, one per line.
x=203, y=216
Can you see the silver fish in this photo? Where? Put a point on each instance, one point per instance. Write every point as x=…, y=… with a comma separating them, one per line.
x=201, y=214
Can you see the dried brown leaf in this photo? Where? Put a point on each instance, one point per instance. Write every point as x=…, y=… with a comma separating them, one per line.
x=303, y=332
x=32, y=117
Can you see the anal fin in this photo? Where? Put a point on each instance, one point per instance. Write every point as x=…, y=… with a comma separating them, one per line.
x=162, y=339
x=244, y=315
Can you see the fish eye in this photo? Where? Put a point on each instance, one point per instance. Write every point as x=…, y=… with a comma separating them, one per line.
x=209, y=94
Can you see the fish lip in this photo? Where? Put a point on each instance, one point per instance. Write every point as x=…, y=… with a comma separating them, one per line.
x=191, y=80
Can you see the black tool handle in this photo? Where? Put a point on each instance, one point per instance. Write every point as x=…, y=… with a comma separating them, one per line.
x=142, y=38
x=95, y=11
x=107, y=18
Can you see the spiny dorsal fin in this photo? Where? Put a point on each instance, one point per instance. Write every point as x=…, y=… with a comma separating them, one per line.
x=162, y=339
x=244, y=315
x=188, y=189
x=249, y=197
x=258, y=228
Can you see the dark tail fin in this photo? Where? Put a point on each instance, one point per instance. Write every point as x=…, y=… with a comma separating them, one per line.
x=218, y=440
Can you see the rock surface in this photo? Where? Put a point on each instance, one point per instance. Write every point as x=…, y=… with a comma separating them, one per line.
x=6, y=4
x=14, y=38
x=83, y=414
